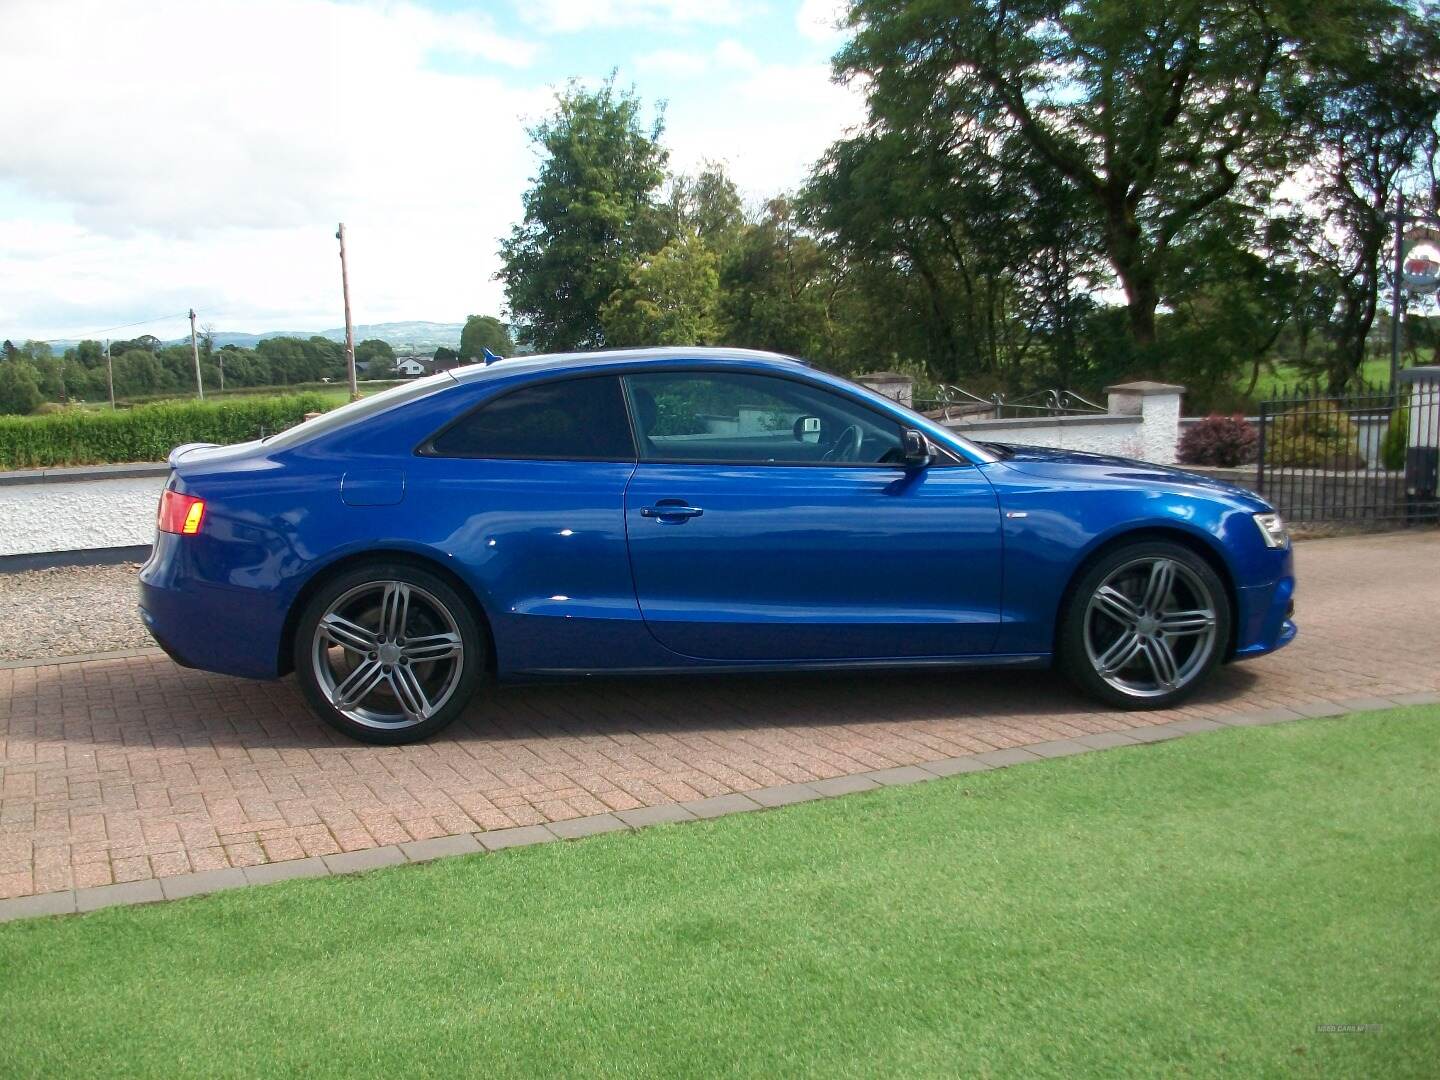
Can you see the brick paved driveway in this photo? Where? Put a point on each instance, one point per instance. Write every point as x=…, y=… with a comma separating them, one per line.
x=121, y=770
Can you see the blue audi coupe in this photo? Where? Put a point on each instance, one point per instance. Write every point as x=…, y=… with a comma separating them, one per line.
x=688, y=510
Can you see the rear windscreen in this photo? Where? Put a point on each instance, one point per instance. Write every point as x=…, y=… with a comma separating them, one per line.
x=358, y=410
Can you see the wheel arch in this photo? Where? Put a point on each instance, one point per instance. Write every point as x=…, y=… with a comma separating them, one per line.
x=1202, y=544
x=285, y=661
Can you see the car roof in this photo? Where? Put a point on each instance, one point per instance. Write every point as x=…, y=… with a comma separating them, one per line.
x=600, y=359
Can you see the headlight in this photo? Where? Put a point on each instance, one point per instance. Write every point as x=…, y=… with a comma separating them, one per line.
x=1272, y=529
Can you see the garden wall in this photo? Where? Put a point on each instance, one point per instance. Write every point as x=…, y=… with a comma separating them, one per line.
x=79, y=509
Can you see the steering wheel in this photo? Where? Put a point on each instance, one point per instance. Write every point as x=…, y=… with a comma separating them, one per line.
x=847, y=445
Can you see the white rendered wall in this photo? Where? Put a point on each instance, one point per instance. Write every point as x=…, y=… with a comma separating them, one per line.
x=1121, y=436
x=80, y=515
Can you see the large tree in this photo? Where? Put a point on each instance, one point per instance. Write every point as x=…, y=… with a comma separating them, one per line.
x=484, y=332
x=1152, y=111
x=1370, y=111
x=669, y=299
x=590, y=214
x=778, y=287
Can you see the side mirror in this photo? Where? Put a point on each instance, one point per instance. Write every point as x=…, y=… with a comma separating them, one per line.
x=806, y=429
x=916, y=449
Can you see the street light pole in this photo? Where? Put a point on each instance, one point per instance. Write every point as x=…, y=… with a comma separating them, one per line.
x=349, y=330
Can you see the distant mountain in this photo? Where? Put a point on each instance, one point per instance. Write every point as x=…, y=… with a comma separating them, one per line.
x=421, y=336
x=426, y=336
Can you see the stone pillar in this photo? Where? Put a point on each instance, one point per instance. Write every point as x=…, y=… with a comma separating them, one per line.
x=1158, y=406
x=1422, y=453
x=892, y=384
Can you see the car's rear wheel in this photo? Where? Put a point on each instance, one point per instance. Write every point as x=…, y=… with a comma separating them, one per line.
x=1145, y=625
x=388, y=653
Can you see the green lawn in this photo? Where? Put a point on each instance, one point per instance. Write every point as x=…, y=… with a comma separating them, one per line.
x=1193, y=908
x=1286, y=379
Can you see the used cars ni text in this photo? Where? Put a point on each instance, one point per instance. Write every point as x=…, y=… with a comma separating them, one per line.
x=683, y=510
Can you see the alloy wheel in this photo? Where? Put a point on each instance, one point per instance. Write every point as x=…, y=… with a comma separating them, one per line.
x=1150, y=627
x=387, y=654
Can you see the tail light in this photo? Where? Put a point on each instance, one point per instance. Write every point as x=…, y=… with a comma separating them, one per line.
x=180, y=513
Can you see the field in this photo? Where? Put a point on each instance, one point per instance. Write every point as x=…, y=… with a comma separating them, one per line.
x=1251, y=902
x=1285, y=378
x=335, y=393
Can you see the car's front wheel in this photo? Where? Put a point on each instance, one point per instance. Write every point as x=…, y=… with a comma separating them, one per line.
x=1145, y=625
x=388, y=653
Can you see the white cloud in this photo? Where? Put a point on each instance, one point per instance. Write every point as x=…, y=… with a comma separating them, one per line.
x=569, y=16
x=819, y=20
x=768, y=126
x=673, y=63
x=283, y=109
x=219, y=174
x=167, y=153
x=729, y=57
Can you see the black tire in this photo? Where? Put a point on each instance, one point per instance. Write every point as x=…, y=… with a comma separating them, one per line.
x=439, y=614
x=1194, y=653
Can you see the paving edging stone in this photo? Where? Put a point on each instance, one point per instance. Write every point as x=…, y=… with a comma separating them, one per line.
x=150, y=890
x=83, y=658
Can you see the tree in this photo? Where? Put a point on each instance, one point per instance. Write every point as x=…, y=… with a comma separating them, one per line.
x=375, y=357
x=777, y=286
x=285, y=360
x=138, y=372
x=148, y=342
x=19, y=391
x=1153, y=111
x=706, y=205
x=589, y=215
x=1371, y=112
x=670, y=299
x=485, y=332
x=37, y=351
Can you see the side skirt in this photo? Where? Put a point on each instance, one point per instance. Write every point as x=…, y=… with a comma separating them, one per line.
x=1005, y=660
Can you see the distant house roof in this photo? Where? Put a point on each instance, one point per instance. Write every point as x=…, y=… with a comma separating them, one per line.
x=428, y=365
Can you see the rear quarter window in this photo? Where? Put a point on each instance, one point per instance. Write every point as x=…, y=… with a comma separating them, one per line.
x=568, y=420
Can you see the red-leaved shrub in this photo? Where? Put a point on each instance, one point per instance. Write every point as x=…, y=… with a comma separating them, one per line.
x=1224, y=441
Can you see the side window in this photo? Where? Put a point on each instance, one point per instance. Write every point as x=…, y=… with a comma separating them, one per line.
x=732, y=417
x=574, y=420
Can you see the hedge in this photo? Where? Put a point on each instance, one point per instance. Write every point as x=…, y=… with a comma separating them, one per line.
x=146, y=432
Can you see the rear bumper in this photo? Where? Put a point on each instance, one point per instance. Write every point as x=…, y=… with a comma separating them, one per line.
x=221, y=628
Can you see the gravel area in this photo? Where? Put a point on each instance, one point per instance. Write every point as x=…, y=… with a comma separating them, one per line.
x=69, y=610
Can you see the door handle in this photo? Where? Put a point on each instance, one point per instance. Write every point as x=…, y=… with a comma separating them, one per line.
x=670, y=511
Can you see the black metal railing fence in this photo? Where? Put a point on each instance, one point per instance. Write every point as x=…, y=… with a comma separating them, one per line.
x=1365, y=455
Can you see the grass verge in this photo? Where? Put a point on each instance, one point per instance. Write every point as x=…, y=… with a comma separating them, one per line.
x=1198, y=907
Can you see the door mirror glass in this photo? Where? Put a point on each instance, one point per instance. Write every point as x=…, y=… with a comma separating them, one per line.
x=917, y=449
x=807, y=429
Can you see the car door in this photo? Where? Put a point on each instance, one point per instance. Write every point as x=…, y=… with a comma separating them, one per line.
x=772, y=518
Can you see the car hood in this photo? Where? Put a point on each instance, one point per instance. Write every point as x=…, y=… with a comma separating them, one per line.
x=1051, y=463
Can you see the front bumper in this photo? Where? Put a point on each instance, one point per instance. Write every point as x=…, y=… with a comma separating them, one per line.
x=1264, y=620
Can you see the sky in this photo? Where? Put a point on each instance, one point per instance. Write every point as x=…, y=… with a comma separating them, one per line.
x=164, y=154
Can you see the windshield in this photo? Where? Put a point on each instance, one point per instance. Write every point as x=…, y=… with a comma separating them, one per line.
x=948, y=436
x=358, y=410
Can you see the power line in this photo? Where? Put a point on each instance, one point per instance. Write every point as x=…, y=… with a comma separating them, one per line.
x=86, y=335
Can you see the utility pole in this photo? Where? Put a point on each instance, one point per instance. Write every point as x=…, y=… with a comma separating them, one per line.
x=109, y=373
x=349, y=330
x=1395, y=312
x=195, y=352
